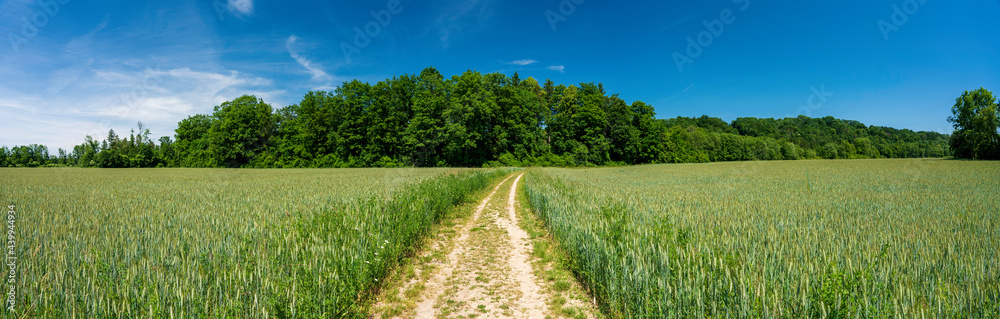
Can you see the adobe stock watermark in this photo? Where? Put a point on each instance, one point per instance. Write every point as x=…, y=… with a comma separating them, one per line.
x=363, y=37
x=900, y=15
x=11, y=259
x=39, y=19
x=814, y=102
x=566, y=8
x=713, y=29
x=222, y=9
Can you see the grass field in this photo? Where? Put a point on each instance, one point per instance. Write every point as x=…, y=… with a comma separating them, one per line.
x=100, y=243
x=838, y=239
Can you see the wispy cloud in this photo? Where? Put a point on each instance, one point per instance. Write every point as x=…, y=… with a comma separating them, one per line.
x=523, y=62
x=678, y=94
x=560, y=68
x=79, y=50
x=316, y=71
x=244, y=7
x=457, y=20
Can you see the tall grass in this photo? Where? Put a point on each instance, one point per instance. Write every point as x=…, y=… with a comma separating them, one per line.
x=834, y=239
x=217, y=243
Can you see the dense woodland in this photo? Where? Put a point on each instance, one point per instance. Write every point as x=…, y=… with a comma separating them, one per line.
x=474, y=120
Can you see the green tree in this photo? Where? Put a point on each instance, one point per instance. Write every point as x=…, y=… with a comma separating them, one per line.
x=649, y=131
x=528, y=120
x=4, y=157
x=391, y=110
x=472, y=123
x=621, y=133
x=290, y=139
x=193, y=141
x=240, y=131
x=166, y=152
x=976, y=123
x=425, y=134
x=562, y=127
x=592, y=122
x=864, y=148
x=354, y=99
x=111, y=152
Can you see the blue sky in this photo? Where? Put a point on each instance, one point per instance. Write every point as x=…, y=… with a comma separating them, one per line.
x=69, y=68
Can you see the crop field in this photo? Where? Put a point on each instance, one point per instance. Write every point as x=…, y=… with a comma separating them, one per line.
x=183, y=243
x=837, y=239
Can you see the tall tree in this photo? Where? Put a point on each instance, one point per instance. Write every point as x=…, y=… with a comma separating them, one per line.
x=472, y=118
x=621, y=133
x=193, y=141
x=290, y=141
x=562, y=127
x=354, y=119
x=976, y=123
x=240, y=131
x=391, y=110
x=592, y=121
x=649, y=132
x=4, y=157
x=425, y=134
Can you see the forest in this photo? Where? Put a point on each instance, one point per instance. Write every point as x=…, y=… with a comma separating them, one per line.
x=474, y=120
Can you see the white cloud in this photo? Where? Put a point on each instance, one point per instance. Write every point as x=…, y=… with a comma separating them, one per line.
x=316, y=71
x=560, y=68
x=106, y=99
x=242, y=6
x=524, y=62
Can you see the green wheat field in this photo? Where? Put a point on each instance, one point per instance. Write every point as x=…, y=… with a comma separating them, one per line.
x=200, y=243
x=835, y=239
x=826, y=238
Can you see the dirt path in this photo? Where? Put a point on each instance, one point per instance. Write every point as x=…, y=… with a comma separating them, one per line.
x=531, y=302
x=481, y=267
x=425, y=309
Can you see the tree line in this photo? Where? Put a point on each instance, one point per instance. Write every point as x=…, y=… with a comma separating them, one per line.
x=475, y=120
